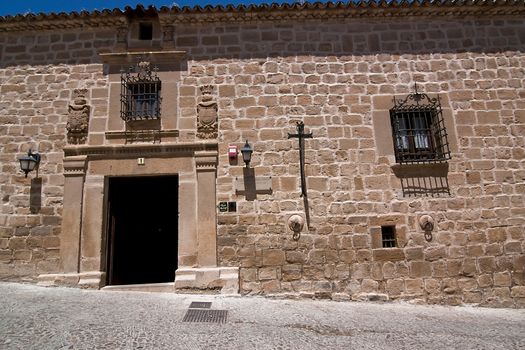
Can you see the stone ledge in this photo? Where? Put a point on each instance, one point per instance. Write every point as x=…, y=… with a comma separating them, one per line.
x=147, y=287
x=224, y=278
x=140, y=134
x=92, y=279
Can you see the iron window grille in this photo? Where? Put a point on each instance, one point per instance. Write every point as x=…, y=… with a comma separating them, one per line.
x=388, y=236
x=140, y=93
x=418, y=130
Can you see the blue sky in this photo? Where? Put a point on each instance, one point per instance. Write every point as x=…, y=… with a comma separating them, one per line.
x=13, y=7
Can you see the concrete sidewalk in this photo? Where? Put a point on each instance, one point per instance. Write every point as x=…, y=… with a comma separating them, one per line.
x=34, y=317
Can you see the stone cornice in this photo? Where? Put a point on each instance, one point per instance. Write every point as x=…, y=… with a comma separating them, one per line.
x=131, y=151
x=75, y=166
x=206, y=160
x=84, y=19
x=264, y=12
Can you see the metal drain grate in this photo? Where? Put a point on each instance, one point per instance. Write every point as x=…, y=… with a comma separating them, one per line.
x=200, y=305
x=200, y=315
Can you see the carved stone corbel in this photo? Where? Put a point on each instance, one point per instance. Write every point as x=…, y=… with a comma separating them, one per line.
x=78, y=118
x=207, y=116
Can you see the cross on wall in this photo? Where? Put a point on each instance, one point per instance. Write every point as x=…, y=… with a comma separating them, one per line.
x=301, y=136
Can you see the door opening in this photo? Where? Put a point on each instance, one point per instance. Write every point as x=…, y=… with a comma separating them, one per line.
x=142, y=232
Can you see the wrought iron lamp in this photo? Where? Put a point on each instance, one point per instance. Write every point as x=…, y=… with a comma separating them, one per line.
x=247, y=151
x=30, y=162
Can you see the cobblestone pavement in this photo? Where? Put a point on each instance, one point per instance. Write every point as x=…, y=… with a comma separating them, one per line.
x=33, y=317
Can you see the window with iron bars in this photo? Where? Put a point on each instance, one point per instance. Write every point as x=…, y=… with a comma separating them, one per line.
x=388, y=236
x=418, y=130
x=140, y=93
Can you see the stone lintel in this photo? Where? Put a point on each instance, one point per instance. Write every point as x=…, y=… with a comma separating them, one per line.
x=388, y=254
x=123, y=135
x=224, y=278
x=158, y=57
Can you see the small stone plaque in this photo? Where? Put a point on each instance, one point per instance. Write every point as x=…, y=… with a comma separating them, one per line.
x=261, y=184
x=223, y=207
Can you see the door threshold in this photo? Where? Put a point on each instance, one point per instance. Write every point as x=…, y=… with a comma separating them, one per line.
x=168, y=287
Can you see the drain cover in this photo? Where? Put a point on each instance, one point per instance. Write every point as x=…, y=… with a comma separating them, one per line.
x=200, y=305
x=200, y=315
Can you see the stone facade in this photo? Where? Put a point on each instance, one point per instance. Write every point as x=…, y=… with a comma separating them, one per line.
x=338, y=75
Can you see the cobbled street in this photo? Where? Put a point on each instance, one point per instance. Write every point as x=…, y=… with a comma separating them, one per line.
x=34, y=317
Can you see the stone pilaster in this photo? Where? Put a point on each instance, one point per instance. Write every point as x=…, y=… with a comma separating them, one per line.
x=74, y=173
x=206, y=163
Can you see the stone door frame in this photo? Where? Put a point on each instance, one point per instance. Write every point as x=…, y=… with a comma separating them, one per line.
x=83, y=237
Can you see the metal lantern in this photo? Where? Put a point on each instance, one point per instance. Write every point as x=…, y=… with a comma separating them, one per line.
x=29, y=162
x=247, y=151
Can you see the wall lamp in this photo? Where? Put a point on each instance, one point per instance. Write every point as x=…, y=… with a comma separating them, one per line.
x=30, y=162
x=247, y=151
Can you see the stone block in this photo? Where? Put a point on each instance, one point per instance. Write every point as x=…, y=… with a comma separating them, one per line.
x=248, y=274
x=435, y=252
x=420, y=269
x=267, y=273
x=295, y=257
x=360, y=241
x=273, y=257
x=414, y=286
x=414, y=253
x=472, y=297
x=518, y=292
x=486, y=264
x=395, y=287
x=369, y=285
x=502, y=279
x=469, y=267
x=271, y=287
x=347, y=256
x=388, y=254
x=291, y=272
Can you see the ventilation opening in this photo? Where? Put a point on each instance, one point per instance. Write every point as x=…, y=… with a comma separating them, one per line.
x=146, y=31
x=388, y=236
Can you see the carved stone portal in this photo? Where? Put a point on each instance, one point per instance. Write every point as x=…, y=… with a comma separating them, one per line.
x=207, y=118
x=78, y=119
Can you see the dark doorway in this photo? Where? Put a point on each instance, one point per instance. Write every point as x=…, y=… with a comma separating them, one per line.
x=142, y=229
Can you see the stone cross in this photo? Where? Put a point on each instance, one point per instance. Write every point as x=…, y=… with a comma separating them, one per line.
x=301, y=136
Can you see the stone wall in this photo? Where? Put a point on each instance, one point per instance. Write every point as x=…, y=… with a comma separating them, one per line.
x=38, y=74
x=339, y=78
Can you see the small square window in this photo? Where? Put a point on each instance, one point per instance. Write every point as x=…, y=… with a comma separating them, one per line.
x=145, y=31
x=388, y=236
x=232, y=206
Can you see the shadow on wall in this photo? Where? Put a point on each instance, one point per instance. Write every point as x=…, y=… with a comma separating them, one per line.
x=35, y=195
x=423, y=179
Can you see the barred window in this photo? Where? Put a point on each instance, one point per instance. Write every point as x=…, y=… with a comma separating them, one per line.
x=388, y=236
x=140, y=93
x=418, y=130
